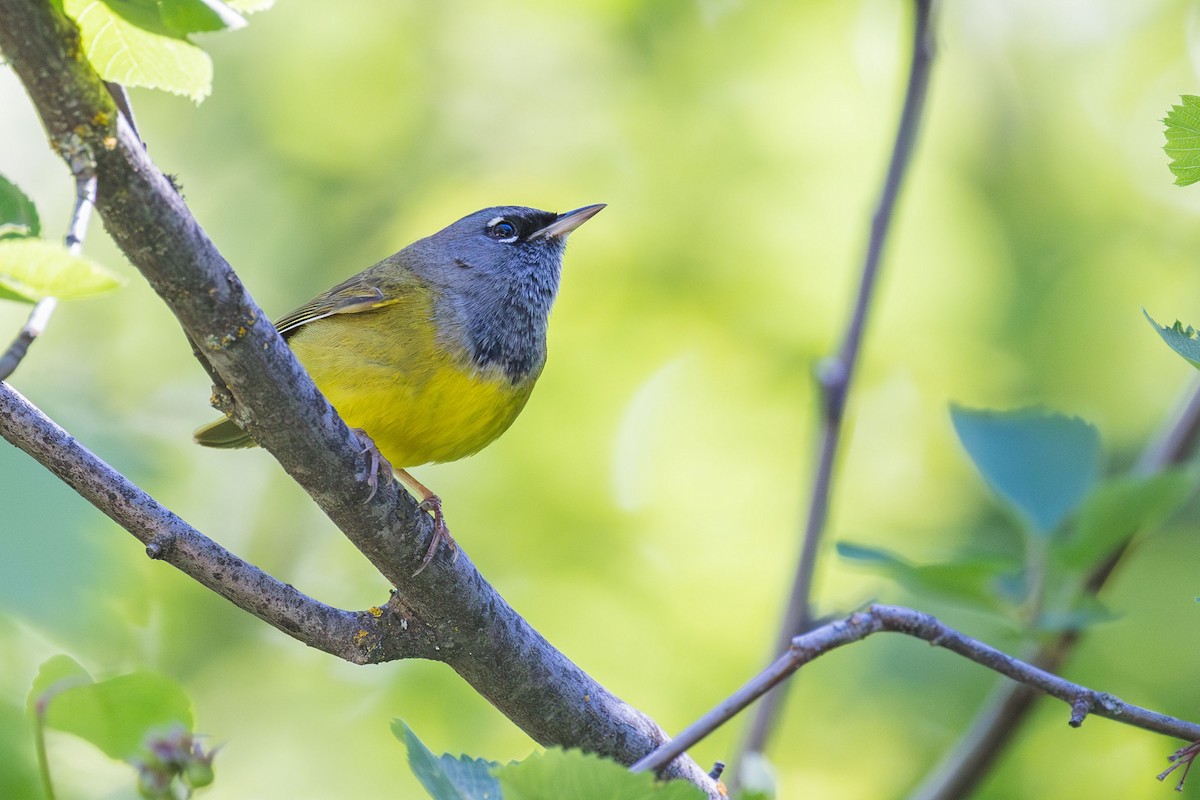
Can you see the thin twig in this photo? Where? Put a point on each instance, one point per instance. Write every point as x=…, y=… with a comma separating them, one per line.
x=895, y=619
x=120, y=96
x=1001, y=716
x=39, y=317
x=836, y=374
x=34, y=326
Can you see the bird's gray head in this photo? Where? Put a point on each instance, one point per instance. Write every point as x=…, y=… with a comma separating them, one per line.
x=499, y=269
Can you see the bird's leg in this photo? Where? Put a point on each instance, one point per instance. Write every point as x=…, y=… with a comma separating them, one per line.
x=428, y=500
x=433, y=504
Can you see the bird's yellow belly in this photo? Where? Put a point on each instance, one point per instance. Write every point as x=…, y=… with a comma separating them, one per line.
x=418, y=403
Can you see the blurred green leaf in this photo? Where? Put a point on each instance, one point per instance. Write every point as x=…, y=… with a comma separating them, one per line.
x=31, y=269
x=969, y=581
x=195, y=16
x=129, y=43
x=250, y=6
x=1183, y=140
x=18, y=214
x=116, y=715
x=757, y=778
x=1041, y=462
x=54, y=675
x=1087, y=613
x=871, y=555
x=1118, y=509
x=1180, y=339
x=447, y=777
x=556, y=774
x=18, y=769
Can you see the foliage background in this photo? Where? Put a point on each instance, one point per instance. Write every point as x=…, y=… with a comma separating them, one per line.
x=642, y=512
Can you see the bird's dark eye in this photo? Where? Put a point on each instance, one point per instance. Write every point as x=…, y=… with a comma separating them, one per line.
x=502, y=229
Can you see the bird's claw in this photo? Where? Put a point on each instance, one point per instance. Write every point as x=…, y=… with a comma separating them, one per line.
x=377, y=461
x=441, y=533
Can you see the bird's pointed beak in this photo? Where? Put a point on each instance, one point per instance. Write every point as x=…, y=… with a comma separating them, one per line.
x=568, y=222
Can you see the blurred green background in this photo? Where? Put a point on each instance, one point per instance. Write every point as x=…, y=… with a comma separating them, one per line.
x=643, y=512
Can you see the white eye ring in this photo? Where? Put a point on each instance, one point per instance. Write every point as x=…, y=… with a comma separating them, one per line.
x=496, y=234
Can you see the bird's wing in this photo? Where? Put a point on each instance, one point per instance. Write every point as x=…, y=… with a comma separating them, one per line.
x=363, y=292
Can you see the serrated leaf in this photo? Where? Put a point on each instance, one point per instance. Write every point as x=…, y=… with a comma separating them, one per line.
x=1183, y=140
x=128, y=43
x=196, y=16
x=1180, y=339
x=1043, y=463
x=971, y=581
x=116, y=715
x=54, y=675
x=18, y=214
x=1118, y=509
x=31, y=269
x=556, y=774
x=447, y=777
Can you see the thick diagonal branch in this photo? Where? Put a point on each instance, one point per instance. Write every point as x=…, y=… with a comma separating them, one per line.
x=479, y=634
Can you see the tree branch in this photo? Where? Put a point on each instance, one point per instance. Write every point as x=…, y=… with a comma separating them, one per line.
x=895, y=619
x=836, y=374
x=477, y=632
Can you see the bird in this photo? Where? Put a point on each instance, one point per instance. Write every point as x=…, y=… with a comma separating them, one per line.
x=434, y=351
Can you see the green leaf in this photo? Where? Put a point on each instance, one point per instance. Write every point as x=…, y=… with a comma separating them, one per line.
x=129, y=43
x=116, y=715
x=1117, y=510
x=1180, y=339
x=31, y=269
x=1183, y=140
x=971, y=581
x=1042, y=463
x=1087, y=613
x=18, y=214
x=193, y=16
x=250, y=6
x=447, y=777
x=757, y=778
x=556, y=774
x=54, y=675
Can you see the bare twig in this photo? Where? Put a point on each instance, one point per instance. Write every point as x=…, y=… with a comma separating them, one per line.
x=39, y=317
x=478, y=634
x=836, y=373
x=1183, y=758
x=819, y=641
x=965, y=764
x=35, y=325
x=121, y=97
